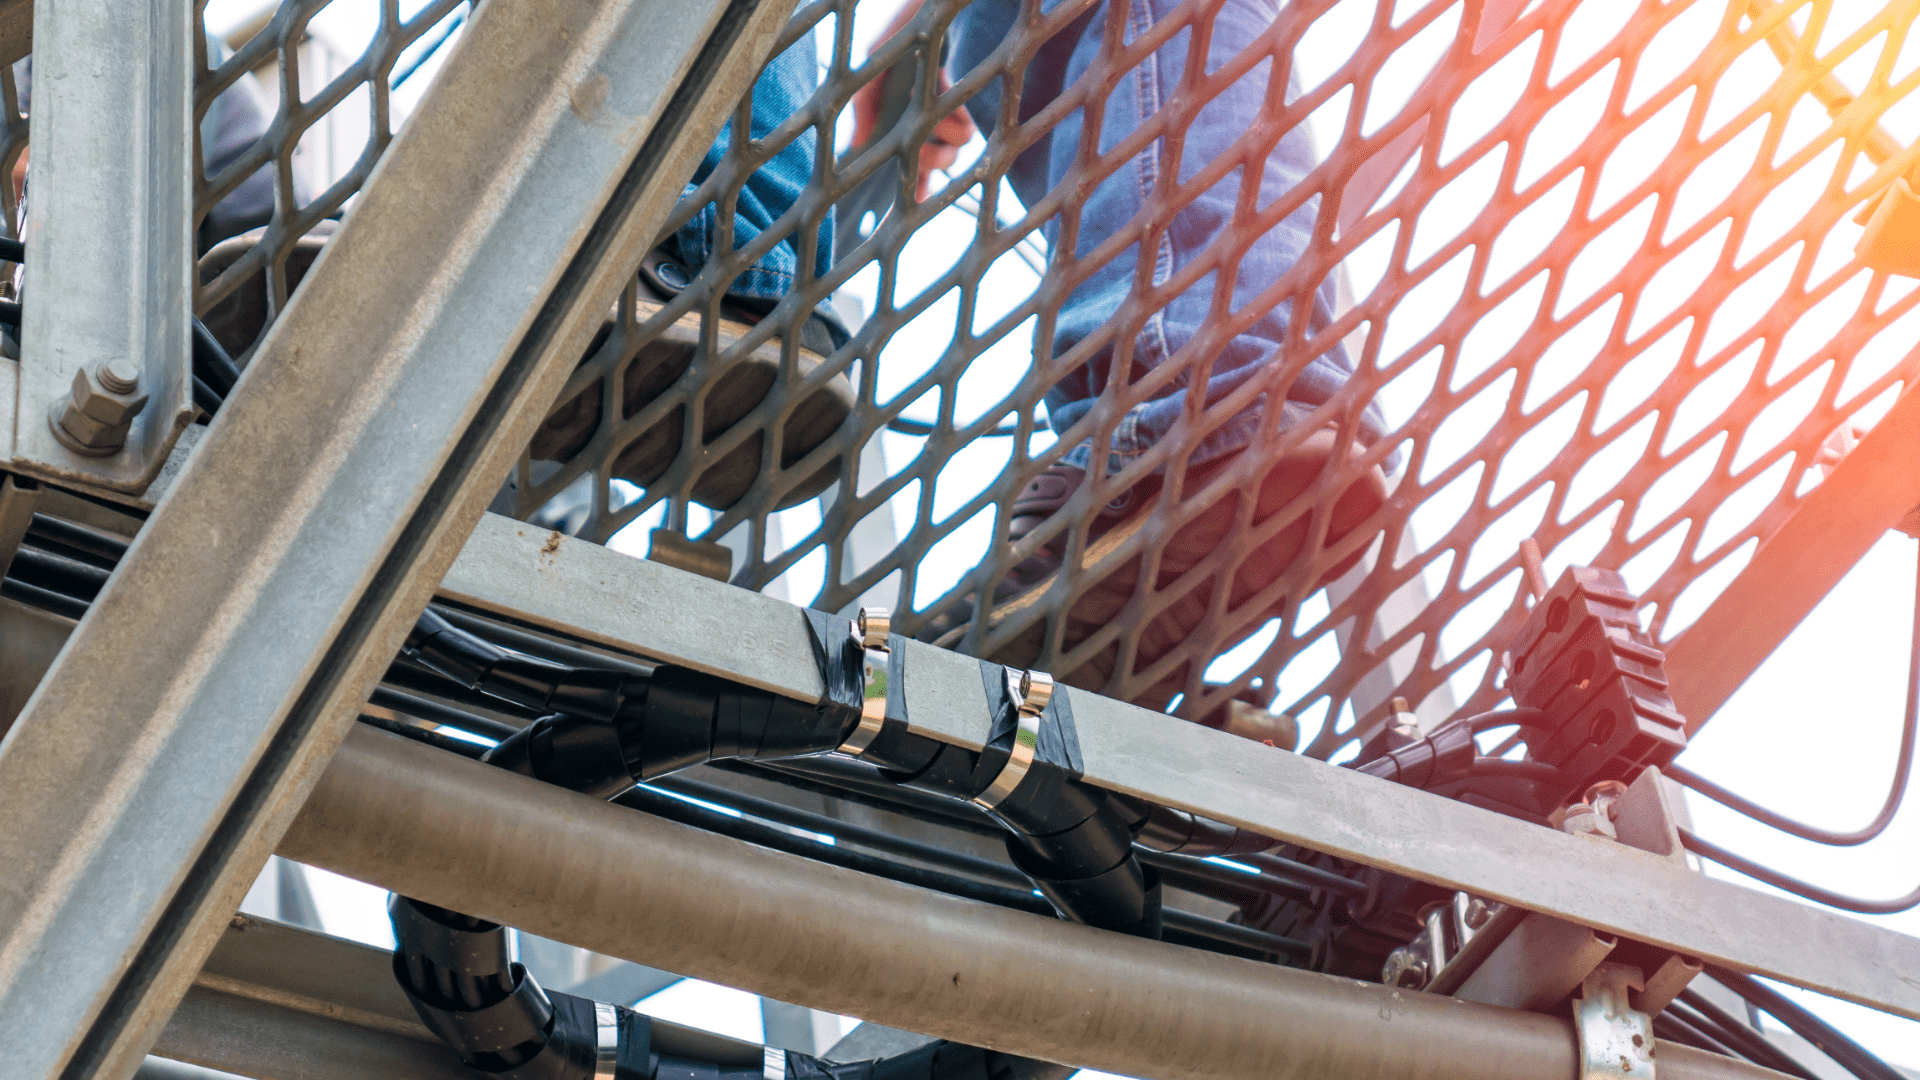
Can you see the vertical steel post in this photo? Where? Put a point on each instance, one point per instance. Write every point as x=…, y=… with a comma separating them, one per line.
x=109, y=227
x=194, y=707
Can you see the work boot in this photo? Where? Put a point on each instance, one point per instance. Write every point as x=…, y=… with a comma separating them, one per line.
x=730, y=396
x=1021, y=597
x=238, y=319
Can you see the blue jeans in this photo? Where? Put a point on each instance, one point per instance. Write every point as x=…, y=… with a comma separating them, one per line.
x=981, y=28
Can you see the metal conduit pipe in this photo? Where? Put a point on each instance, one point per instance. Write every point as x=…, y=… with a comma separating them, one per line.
x=566, y=866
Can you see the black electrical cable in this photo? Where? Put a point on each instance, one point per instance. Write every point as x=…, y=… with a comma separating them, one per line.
x=1728, y=1029
x=1896, y=793
x=1846, y=1053
x=408, y=675
x=10, y=313
x=1504, y=769
x=513, y=637
x=663, y=805
x=446, y=715
x=842, y=775
x=12, y=250
x=211, y=362
x=792, y=817
x=105, y=548
x=1707, y=849
x=1671, y=1028
x=82, y=581
x=44, y=599
x=419, y=734
x=1187, y=871
x=1337, y=884
x=205, y=398
x=1488, y=721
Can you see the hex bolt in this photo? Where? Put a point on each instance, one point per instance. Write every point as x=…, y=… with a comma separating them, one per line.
x=119, y=375
x=94, y=417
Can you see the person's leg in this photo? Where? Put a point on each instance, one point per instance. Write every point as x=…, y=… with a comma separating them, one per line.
x=783, y=87
x=1253, y=354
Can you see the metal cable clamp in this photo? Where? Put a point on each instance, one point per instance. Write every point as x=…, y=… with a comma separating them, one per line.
x=1616, y=1039
x=606, y=1058
x=773, y=1063
x=872, y=628
x=1033, y=690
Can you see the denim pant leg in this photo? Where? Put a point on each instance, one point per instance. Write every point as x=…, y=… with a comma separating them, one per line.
x=1115, y=202
x=783, y=87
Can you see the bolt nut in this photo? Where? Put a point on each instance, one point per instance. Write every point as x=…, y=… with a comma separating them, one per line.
x=96, y=415
x=874, y=625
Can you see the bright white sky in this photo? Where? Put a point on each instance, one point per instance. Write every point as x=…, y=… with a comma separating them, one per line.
x=1812, y=734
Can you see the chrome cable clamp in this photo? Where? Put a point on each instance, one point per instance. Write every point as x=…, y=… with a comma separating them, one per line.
x=606, y=1057
x=872, y=629
x=1033, y=690
x=1616, y=1040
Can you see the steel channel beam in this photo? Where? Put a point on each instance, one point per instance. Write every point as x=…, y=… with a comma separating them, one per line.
x=619, y=602
x=281, y=1003
x=159, y=760
x=109, y=231
x=454, y=832
x=1870, y=490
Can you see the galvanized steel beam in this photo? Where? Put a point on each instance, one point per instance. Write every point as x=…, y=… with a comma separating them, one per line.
x=655, y=611
x=1866, y=494
x=149, y=777
x=500, y=846
x=109, y=227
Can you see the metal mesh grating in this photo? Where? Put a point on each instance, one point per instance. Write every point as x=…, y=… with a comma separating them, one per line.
x=1599, y=280
x=326, y=99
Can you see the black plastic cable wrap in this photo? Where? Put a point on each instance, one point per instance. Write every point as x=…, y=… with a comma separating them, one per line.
x=459, y=974
x=1073, y=840
x=600, y=732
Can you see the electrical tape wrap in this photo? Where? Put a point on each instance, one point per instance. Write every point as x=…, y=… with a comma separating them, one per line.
x=493, y=1013
x=604, y=731
x=1074, y=841
x=1440, y=758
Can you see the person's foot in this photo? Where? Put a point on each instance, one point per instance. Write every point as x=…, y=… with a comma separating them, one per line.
x=1024, y=598
x=646, y=455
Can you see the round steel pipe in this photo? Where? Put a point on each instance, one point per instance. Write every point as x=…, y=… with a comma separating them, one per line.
x=500, y=846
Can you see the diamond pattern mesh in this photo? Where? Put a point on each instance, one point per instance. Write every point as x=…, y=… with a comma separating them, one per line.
x=1596, y=261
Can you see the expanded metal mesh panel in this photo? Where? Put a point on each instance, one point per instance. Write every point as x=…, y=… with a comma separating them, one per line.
x=1602, y=287
x=325, y=100
x=1596, y=270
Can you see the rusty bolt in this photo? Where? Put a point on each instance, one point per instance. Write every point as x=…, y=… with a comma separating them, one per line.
x=95, y=416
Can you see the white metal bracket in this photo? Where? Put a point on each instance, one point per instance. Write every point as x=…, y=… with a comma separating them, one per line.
x=1616, y=1040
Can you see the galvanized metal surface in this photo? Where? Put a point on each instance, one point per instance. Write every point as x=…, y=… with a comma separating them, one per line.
x=669, y=615
x=1870, y=490
x=109, y=237
x=448, y=830
x=179, y=730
